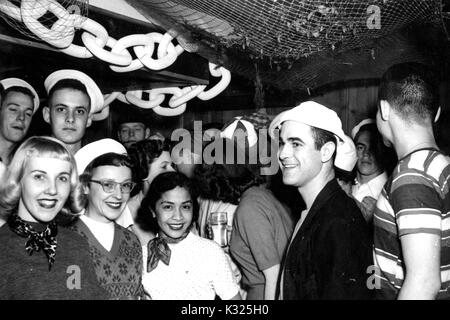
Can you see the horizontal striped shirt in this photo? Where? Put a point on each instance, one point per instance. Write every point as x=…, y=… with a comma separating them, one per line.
x=415, y=199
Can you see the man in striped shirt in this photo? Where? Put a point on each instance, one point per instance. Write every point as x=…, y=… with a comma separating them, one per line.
x=412, y=220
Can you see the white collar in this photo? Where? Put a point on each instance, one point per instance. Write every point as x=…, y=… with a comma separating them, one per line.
x=102, y=231
x=378, y=179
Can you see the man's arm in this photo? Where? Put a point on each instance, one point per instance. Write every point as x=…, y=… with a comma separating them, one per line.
x=271, y=277
x=421, y=253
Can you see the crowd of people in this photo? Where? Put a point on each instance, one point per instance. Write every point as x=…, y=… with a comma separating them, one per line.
x=136, y=216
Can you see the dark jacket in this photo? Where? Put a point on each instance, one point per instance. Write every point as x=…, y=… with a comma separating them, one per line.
x=329, y=256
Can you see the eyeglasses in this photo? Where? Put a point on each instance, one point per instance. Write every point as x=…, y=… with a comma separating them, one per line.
x=109, y=186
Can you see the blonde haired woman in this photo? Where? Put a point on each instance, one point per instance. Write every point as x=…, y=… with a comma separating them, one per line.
x=39, y=260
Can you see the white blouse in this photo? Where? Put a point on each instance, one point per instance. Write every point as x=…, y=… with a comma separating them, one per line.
x=104, y=232
x=198, y=270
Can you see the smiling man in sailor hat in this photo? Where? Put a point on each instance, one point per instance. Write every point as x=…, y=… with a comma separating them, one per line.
x=330, y=249
x=19, y=102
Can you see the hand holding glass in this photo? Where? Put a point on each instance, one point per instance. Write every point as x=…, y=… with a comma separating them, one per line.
x=218, y=223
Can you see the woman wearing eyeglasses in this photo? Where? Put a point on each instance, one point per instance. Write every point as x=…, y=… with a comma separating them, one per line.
x=116, y=252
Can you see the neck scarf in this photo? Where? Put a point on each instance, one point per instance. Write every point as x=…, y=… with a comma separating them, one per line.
x=158, y=249
x=45, y=240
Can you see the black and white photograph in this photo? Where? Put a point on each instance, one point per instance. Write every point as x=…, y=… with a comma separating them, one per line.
x=227, y=158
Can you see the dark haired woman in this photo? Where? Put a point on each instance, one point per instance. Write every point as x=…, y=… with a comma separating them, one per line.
x=149, y=158
x=178, y=264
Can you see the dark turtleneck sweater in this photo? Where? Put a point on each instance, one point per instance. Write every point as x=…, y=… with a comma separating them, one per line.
x=25, y=277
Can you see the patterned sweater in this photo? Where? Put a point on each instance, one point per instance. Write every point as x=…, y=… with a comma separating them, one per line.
x=119, y=270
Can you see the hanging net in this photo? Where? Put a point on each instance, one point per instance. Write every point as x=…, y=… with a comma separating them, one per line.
x=292, y=28
x=284, y=34
x=58, y=16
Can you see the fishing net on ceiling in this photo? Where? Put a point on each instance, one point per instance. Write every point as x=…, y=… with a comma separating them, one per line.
x=58, y=16
x=285, y=36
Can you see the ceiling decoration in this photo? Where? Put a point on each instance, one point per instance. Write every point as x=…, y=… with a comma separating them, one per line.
x=59, y=22
x=296, y=44
x=36, y=15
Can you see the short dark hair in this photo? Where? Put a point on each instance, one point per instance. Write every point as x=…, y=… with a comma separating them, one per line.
x=226, y=180
x=321, y=137
x=162, y=183
x=23, y=90
x=384, y=156
x=69, y=84
x=412, y=90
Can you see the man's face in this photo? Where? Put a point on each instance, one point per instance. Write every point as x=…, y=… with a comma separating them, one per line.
x=15, y=116
x=367, y=164
x=299, y=160
x=131, y=132
x=68, y=115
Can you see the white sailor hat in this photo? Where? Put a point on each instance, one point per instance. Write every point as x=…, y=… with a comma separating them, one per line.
x=16, y=82
x=89, y=152
x=312, y=114
x=318, y=116
x=93, y=90
x=346, y=157
x=356, y=129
